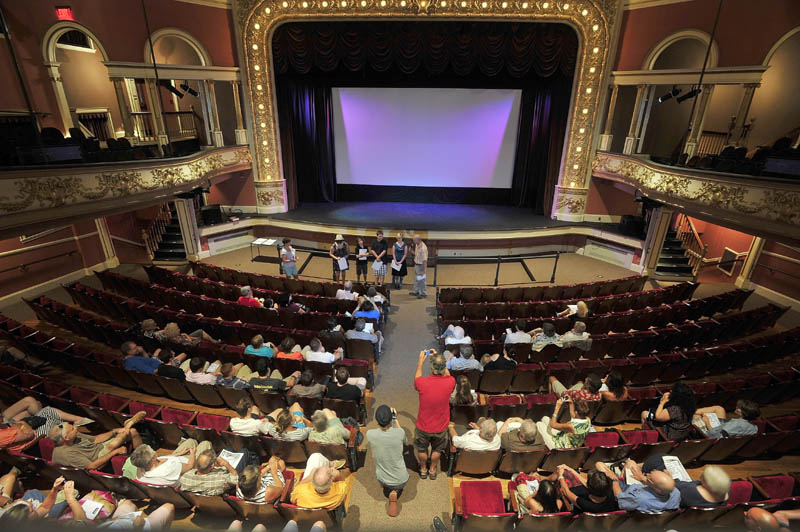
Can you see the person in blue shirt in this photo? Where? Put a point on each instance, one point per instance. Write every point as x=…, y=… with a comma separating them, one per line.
x=258, y=348
x=136, y=359
x=656, y=493
x=464, y=361
x=366, y=309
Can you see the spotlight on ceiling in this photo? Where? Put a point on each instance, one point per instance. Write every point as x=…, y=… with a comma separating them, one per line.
x=688, y=96
x=171, y=88
x=671, y=94
x=187, y=88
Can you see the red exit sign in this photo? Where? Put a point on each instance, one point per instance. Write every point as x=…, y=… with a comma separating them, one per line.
x=64, y=13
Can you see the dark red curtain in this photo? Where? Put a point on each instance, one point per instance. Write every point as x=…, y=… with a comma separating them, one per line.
x=310, y=58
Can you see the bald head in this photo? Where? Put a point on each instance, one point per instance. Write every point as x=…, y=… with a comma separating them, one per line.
x=322, y=480
x=205, y=461
x=488, y=429
x=662, y=482
x=760, y=519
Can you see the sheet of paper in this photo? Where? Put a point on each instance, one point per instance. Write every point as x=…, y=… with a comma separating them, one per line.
x=91, y=508
x=377, y=265
x=573, y=308
x=533, y=485
x=369, y=327
x=713, y=420
x=269, y=242
x=259, y=241
x=396, y=266
x=342, y=262
x=629, y=478
x=214, y=366
x=421, y=277
x=232, y=458
x=676, y=469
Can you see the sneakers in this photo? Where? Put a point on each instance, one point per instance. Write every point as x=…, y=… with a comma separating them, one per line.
x=393, y=510
x=413, y=293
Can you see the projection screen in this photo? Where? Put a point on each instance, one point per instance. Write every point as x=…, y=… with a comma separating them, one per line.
x=425, y=137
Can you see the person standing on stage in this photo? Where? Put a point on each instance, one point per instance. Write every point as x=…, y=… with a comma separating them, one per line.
x=399, y=259
x=339, y=251
x=289, y=259
x=362, y=254
x=380, y=250
x=420, y=267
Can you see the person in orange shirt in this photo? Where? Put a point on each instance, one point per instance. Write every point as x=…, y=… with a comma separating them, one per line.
x=288, y=349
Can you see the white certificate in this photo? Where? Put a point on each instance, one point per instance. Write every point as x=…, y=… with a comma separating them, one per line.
x=377, y=265
x=342, y=262
x=396, y=266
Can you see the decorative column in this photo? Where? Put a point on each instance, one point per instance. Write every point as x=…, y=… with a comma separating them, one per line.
x=699, y=117
x=112, y=261
x=156, y=113
x=632, y=139
x=744, y=110
x=207, y=125
x=188, y=224
x=124, y=110
x=53, y=69
x=241, y=132
x=606, y=137
x=753, y=254
x=656, y=233
x=217, y=132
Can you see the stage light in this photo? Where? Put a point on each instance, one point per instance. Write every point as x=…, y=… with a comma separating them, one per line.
x=285, y=4
x=363, y=3
x=383, y=3
x=305, y=4
x=592, y=70
x=688, y=96
x=263, y=124
x=589, y=90
x=595, y=50
x=403, y=3
x=256, y=67
x=578, y=149
x=582, y=130
x=671, y=94
x=585, y=111
x=266, y=159
x=257, y=26
x=255, y=47
x=575, y=166
x=325, y=4
x=264, y=142
x=566, y=6
x=463, y=4
x=585, y=12
x=484, y=4
x=187, y=88
x=524, y=5
x=595, y=27
x=505, y=5
x=171, y=88
x=261, y=107
x=545, y=5
x=267, y=11
x=572, y=184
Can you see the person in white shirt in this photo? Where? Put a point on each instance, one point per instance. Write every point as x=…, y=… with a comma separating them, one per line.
x=288, y=259
x=249, y=422
x=576, y=334
x=317, y=353
x=455, y=335
x=481, y=436
x=165, y=471
x=346, y=292
x=519, y=336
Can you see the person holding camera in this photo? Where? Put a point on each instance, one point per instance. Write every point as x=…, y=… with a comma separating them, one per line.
x=570, y=434
x=433, y=416
x=386, y=444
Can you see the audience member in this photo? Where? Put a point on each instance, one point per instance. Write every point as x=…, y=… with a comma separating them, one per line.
x=738, y=423
x=260, y=348
x=172, y=333
x=92, y=452
x=249, y=421
x=170, y=364
x=711, y=490
x=339, y=251
x=362, y=264
x=462, y=358
x=136, y=359
x=376, y=298
x=613, y=388
x=262, y=484
x=482, y=436
x=333, y=331
x=581, y=311
x=595, y=496
x=340, y=387
x=307, y=387
x=542, y=501
x=588, y=390
x=211, y=475
x=167, y=470
x=674, y=412
x=420, y=268
x=655, y=493
x=327, y=428
x=399, y=268
x=289, y=349
x=290, y=424
x=545, y=335
x=463, y=394
x=505, y=361
x=519, y=336
x=454, y=335
x=358, y=333
x=33, y=504
x=27, y=420
x=265, y=381
x=197, y=372
x=524, y=436
x=575, y=335
x=233, y=376
x=570, y=434
x=366, y=309
x=433, y=416
x=127, y=517
x=317, y=353
x=246, y=298
x=346, y=292
x=285, y=303
x=379, y=250
x=386, y=446
x=288, y=259
x=760, y=519
x=321, y=485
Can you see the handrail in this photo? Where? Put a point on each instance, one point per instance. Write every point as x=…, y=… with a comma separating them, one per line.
x=694, y=231
x=24, y=266
x=154, y=233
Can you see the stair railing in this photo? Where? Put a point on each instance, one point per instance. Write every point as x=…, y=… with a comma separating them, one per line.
x=154, y=233
x=691, y=242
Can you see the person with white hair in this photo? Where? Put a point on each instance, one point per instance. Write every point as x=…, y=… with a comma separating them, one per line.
x=73, y=449
x=517, y=434
x=212, y=475
x=482, y=436
x=165, y=470
x=655, y=492
x=462, y=358
x=713, y=488
x=321, y=485
x=246, y=298
x=576, y=334
x=327, y=428
x=346, y=292
x=420, y=266
x=455, y=335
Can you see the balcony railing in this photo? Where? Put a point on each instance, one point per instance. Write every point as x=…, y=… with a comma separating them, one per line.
x=181, y=124
x=143, y=128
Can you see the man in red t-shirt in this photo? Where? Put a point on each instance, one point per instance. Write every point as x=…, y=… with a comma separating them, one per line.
x=247, y=298
x=434, y=411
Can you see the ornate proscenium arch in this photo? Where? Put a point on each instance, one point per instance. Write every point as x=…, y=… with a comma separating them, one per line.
x=593, y=20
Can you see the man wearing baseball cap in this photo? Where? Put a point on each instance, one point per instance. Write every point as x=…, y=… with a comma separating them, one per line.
x=387, y=444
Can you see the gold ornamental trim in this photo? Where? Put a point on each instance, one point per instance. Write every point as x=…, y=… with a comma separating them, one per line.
x=593, y=21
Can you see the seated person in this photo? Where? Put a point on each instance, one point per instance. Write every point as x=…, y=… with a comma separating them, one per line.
x=588, y=390
x=289, y=349
x=454, y=335
x=285, y=303
x=212, y=475
x=761, y=520
x=482, y=436
x=170, y=364
x=321, y=485
x=656, y=493
x=32, y=505
x=518, y=336
x=576, y=334
x=570, y=434
x=524, y=436
x=542, y=501
x=127, y=517
x=346, y=291
x=26, y=421
x=713, y=488
x=234, y=376
x=92, y=452
x=613, y=388
x=505, y=361
x=545, y=335
x=263, y=380
x=366, y=309
x=259, y=348
x=376, y=298
x=594, y=496
x=137, y=359
x=581, y=311
x=738, y=423
x=262, y=484
x=327, y=428
x=343, y=387
x=247, y=298
x=317, y=353
x=462, y=358
x=249, y=420
x=674, y=412
x=197, y=372
x=307, y=387
x=333, y=330
x=290, y=424
x=166, y=470
x=463, y=394
x=172, y=333
x=358, y=333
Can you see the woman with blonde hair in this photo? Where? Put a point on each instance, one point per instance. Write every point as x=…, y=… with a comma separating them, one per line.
x=580, y=311
x=711, y=490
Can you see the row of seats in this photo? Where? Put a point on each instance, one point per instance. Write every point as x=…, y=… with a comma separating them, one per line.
x=483, y=329
x=541, y=292
x=274, y=282
x=686, y=335
x=598, y=305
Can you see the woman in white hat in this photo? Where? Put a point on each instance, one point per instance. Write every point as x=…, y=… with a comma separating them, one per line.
x=339, y=251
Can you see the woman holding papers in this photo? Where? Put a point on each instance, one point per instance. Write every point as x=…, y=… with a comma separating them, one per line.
x=339, y=254
x=399, y=269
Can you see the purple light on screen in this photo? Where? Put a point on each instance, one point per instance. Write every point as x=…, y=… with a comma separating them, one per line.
x=425, y=137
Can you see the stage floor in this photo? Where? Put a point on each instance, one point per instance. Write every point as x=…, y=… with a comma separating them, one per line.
x=428, y=217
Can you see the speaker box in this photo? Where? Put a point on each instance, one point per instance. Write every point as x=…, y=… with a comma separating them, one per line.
x=212, y=214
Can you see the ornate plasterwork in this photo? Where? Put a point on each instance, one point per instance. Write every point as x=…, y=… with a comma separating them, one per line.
x=592, y=19
x=570, y=203
x=32, y=190
x=759, y=204
x=271, y=195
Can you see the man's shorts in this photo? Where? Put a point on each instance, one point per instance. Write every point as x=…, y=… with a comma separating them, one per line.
x=437, y=440
x=290, y=269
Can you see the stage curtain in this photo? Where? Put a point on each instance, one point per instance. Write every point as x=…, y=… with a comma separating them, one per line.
x=305, y=113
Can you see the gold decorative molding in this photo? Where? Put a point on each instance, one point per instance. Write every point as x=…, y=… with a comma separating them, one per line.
x=753, y=205
x=593, y=21
x=271, y=196
x=570, y=203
